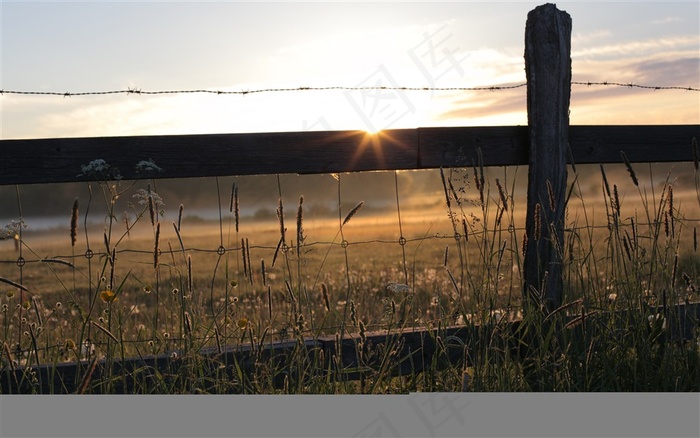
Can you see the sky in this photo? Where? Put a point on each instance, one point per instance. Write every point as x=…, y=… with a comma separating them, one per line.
x=73, y=47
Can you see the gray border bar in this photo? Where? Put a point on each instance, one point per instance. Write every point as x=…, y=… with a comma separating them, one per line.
x=413, y=415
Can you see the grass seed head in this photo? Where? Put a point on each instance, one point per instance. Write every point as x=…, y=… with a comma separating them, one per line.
x=352, y=213
x=633, y=175
x=324, y=295
x=74, y=223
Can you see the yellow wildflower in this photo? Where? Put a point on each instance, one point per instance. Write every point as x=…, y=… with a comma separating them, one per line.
x=242, y=323
x=108, y=296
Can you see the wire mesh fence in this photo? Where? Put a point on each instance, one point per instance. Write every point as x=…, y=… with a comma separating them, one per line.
x=440, y=247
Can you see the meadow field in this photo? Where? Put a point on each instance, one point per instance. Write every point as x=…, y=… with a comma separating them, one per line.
x=130, y=273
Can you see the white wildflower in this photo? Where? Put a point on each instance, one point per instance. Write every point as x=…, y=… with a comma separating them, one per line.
x=398, y=288
x=654, y=318
x=100, y=168
x=12, y=229
x=143, y=195
x=147, y=166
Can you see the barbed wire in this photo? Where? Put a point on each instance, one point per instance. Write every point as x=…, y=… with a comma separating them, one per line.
x=138, y=91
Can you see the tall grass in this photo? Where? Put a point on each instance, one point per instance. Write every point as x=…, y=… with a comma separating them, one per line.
x=137, y=289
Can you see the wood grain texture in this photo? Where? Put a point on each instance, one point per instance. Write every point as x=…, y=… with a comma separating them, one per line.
x=56, y=160
x=548, y=70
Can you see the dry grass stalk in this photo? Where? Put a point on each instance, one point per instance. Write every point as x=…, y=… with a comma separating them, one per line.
x=352, y=213
x=633, y=175
x=670, y=211
x=12, y=283
x=550, y=194
x=465, y=230
x=245, y=261
x=8, y=353
x=324, y=295
x=236, y=206
x=126, y=224
x=538, y=222
x=87, y=377
x=106, y=242
x=179, y=237
x=269, y=302
x=502, y=194
x=277, y=250
x=565, y=307
x=105, y=331
x=189, y=275
x=280, y=217
x=580, y=319
x=300, y=225
x=626, y=246
x=452, y=280
x=181, y=210
x=74, y=223
x=247, y=256
x=444, y=187
x=674, y=271
x=187, y=322
x=156, y=250
x=58, y=261
x=151, y=206
x=231, y=198
x=263, y=273
x=454, y=192
x=605, y=182
x=217, y=337
x=616, y=205
x=479, y=177
x=353, y=314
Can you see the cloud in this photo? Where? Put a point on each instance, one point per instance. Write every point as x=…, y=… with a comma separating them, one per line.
x=639, y=48
x=490, y=105
x=667, y=20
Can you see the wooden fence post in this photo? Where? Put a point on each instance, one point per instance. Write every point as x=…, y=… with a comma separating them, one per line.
x=548, y=70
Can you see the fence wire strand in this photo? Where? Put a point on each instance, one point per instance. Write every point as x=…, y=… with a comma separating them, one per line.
x=138, y=91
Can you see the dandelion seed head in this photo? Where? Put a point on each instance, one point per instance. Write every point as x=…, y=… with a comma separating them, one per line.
x=398, y=288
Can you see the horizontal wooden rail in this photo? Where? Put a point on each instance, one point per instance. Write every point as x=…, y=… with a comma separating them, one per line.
x=180, y=156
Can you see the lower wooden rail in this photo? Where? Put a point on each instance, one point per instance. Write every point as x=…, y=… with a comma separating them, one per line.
x=410, y=351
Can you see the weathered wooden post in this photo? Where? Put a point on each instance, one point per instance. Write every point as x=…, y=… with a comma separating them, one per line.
x=548, y=70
